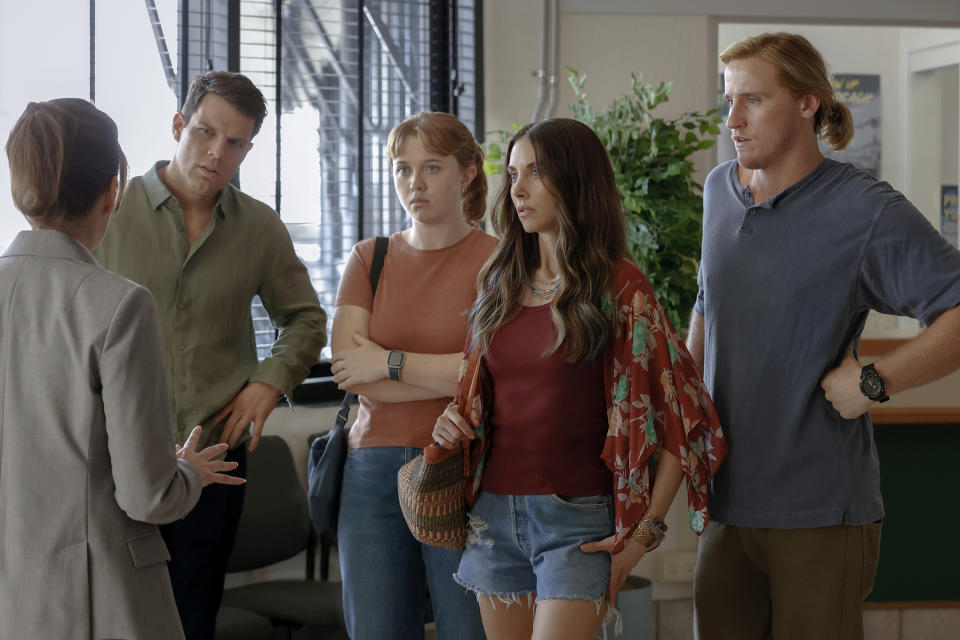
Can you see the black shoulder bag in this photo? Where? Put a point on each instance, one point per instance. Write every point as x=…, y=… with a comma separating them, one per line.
x=329, y=451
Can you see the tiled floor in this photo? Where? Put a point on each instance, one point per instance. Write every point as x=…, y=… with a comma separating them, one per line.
x=929, y=624
x=881, y=624
x=674, y=620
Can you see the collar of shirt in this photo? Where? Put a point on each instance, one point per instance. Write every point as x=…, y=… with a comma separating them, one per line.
x=158, y=193
x=746, y=196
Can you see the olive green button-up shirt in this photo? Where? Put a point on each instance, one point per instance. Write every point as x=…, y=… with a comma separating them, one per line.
x=204, y=291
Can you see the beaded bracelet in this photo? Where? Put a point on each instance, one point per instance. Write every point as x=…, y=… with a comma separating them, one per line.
x=652, y=535
x=657, y=526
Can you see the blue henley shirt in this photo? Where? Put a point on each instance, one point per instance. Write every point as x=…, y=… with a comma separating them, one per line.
x=785, y=286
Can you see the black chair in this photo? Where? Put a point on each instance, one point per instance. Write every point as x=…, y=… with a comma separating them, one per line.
x=240, y=624
x=274, y=526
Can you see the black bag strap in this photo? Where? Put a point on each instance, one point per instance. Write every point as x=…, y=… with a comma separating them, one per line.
x=376, y=266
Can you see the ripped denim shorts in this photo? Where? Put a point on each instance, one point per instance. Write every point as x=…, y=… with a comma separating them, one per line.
x=521, y=545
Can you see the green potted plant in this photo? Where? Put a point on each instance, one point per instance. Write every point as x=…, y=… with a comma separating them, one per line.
x=662, y=202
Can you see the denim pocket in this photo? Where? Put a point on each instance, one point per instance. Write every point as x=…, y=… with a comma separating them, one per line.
x=583, y=503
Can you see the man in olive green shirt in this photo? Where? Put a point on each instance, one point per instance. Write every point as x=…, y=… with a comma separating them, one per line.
x=205, y=249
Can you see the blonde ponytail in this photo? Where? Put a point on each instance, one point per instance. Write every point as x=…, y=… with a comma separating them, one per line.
x=836, y=128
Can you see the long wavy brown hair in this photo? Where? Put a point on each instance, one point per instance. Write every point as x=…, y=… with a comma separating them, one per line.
x=574, y=168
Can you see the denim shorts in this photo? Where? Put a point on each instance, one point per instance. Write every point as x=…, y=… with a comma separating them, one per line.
x=524, y=544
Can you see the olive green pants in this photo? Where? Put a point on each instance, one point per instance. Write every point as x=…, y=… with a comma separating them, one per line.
x=783, y=584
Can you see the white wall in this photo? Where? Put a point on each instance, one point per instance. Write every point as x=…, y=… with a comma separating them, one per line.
x=604, y=47
x=929, y=59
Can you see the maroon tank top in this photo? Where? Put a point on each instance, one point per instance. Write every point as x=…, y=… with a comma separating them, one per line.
x=548, y=419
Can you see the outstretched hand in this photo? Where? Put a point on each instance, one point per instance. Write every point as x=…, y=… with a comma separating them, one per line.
x=842, y=388
x=211, y=471
x=253, y=404
x=621, y=564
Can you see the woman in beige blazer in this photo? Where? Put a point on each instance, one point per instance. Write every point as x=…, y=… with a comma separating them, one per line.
x=88, y=466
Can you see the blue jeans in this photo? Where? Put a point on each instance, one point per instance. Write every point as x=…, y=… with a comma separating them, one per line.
x=385, y=571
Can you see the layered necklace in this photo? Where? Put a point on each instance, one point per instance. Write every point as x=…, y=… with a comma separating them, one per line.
x=545, y=289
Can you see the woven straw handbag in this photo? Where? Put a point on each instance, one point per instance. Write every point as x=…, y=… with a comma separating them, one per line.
x=431, y=486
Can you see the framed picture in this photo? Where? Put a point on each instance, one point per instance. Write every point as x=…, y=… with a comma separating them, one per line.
x=861, y=93
x=948, y=213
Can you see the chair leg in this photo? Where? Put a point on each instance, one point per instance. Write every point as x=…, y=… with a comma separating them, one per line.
x=311, y=554
x=324, y=558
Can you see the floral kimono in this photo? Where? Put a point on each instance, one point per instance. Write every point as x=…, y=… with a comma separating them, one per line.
x=655, y=399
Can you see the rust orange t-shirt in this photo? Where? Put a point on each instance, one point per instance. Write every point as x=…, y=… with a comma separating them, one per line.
x=421, y=306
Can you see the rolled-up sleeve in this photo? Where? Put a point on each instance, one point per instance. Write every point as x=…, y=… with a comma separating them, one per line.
x=291, y=301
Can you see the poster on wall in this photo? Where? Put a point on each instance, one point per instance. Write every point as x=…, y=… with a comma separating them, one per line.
x=861, y=93
x=948, y=213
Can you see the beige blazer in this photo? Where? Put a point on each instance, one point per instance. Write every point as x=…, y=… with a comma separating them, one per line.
x=86, y=454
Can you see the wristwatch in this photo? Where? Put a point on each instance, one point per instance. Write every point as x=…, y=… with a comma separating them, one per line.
x=871, y=384
x=394, y=364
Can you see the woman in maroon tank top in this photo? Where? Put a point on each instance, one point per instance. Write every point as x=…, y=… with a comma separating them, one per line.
x=587, y=383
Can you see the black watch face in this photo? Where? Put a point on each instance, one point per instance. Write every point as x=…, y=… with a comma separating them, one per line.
x=871, y=384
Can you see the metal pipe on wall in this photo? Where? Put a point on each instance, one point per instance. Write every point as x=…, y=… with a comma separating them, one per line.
x=554, y=38
x=541, y=73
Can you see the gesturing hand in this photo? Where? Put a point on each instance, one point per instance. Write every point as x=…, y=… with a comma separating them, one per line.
x=211, y=471
x=253, y=404
x=361, y=365
x=842, y=388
